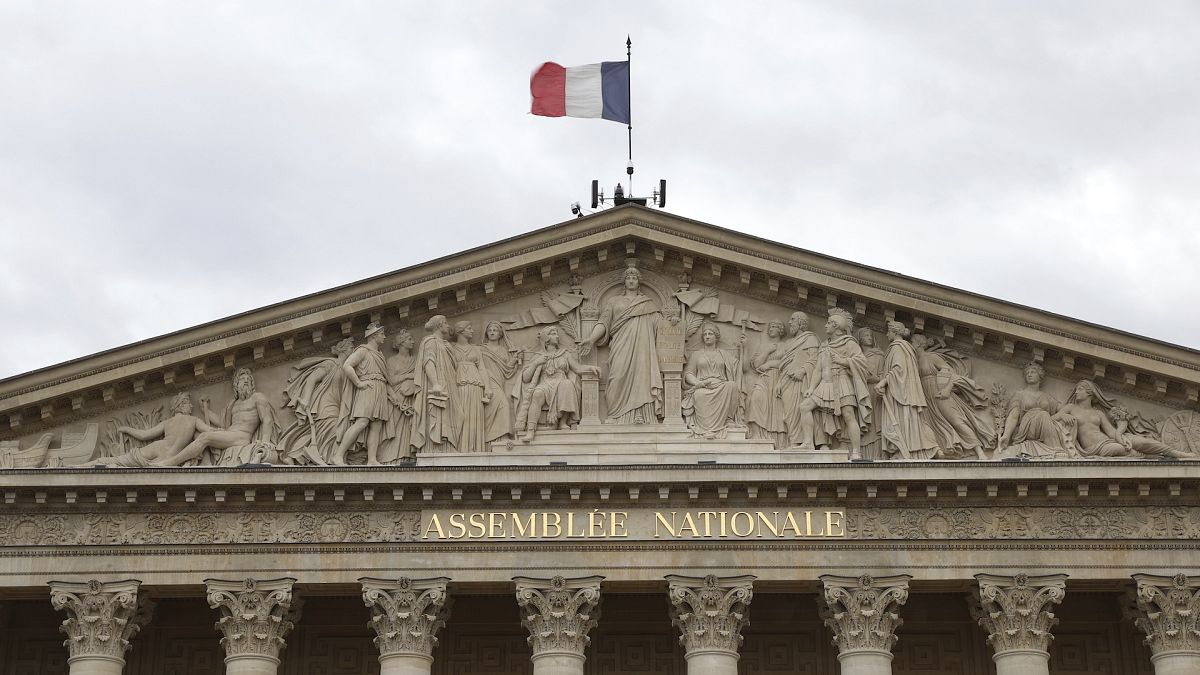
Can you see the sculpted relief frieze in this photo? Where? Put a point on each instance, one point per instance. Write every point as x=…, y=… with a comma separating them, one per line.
x=618, y=358
x=659, y=526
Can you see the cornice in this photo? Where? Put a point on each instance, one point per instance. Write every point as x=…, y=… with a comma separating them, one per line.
x=1162, y=364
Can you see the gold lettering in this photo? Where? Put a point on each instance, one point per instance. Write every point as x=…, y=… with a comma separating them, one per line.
x=658, y=519
x=496, y=523
x=617, y=524
x=808, y=526
x=833, y=519
x=707, y=517
x=790, y=521
x=733, y=524
x=520, y=529
x=547, y=524
x=458, y=526
x=771, y=524
x=721, y=515
x=596, y=523
x=475, y=520
x=689, y=523
x=434, y=524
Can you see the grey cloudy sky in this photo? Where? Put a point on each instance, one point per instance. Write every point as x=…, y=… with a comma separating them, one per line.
x=167, y=164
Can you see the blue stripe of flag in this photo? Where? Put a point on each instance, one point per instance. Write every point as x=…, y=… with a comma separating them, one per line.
x=614, y=84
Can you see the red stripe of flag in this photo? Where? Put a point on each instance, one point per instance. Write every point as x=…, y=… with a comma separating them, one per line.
x=548, y=85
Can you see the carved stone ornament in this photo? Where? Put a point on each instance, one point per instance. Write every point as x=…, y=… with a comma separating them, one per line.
x=101, y=617
x=1015, y=610
x=1169, y=612
x=256, y=615
x=861, y=611
x=710, y=611
x=406, y=613
x=559, y=612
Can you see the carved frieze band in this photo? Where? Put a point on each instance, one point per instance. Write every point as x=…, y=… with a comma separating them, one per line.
x=559, y=612
x=862, y=611
x=1015, y=610
x=256, y=614
x=710, y=612
x=102, y=617
x=406, y=613
x=1168, y=612
x=277, y=527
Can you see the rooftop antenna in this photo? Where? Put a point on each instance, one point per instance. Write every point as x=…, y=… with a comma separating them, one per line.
x=620, y=195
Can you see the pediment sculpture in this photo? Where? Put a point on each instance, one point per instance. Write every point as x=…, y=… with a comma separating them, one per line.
x=636, y=351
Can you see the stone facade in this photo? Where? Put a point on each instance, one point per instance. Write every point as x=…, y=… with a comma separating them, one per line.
x=632, y=411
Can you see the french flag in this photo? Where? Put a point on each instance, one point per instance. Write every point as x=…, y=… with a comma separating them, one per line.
x=595, y=90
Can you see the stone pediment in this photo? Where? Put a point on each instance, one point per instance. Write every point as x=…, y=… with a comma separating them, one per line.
x=687, y=366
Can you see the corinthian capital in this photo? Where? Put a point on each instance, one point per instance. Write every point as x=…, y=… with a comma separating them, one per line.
x=1168, y=612
x=256, y=614
x=101, y=617
x=1015, y=610
x=406, y=613
x=861, y=611
x=710, y=611
x=558, y=612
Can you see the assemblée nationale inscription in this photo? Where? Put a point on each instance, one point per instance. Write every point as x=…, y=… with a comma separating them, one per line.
x=601, y=524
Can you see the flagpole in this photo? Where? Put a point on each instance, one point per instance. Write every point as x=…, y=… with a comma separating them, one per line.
x=629, y=97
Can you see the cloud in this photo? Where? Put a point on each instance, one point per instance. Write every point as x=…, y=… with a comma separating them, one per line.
x=166, y=165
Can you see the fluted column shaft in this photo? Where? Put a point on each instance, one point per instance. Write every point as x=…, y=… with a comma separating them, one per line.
x=1168, y=612
x=710, y=613
x=1015, y=611
x=406, y=615
x=559, y=613
x=862, y=613
x=256, y=616
x=102, y=617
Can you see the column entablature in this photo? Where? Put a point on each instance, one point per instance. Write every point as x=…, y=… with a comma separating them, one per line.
x=256, y=615
x=102, y=617
x=407, y=613
x=559, y=613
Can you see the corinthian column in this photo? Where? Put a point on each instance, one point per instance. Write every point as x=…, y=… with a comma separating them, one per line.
x=559, y=613
x=710, y=613
x=256, y=615
x=406, y=615
x=1016, y=613
x=861, y=612
x=101, y=620
x=1167, y=612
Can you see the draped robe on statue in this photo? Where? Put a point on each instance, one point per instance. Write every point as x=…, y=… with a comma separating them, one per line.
x=797, y=363
x=634, y=383
x=904, y=424
x=841, y=385
x=433, y=411
x=710, y=411
x=402, y=390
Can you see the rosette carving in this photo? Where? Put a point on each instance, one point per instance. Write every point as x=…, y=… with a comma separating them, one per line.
x=101, y=617
x=406, y=613
x=1168, y=612
x=710, y=611
x=1015, y=610
x=861, y=611
x=256, y=615
x=559, y=612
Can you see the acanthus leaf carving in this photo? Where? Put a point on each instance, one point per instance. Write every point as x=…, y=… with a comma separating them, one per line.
x=559, y=612
x=102, y=617
x=1016, y=610
x=256, y=615
x=1168, y=612
x=710, y=612
x=862, y=611
x=407, y=614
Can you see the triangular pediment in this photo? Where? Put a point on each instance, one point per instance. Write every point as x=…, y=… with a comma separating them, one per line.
x=529, y=281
